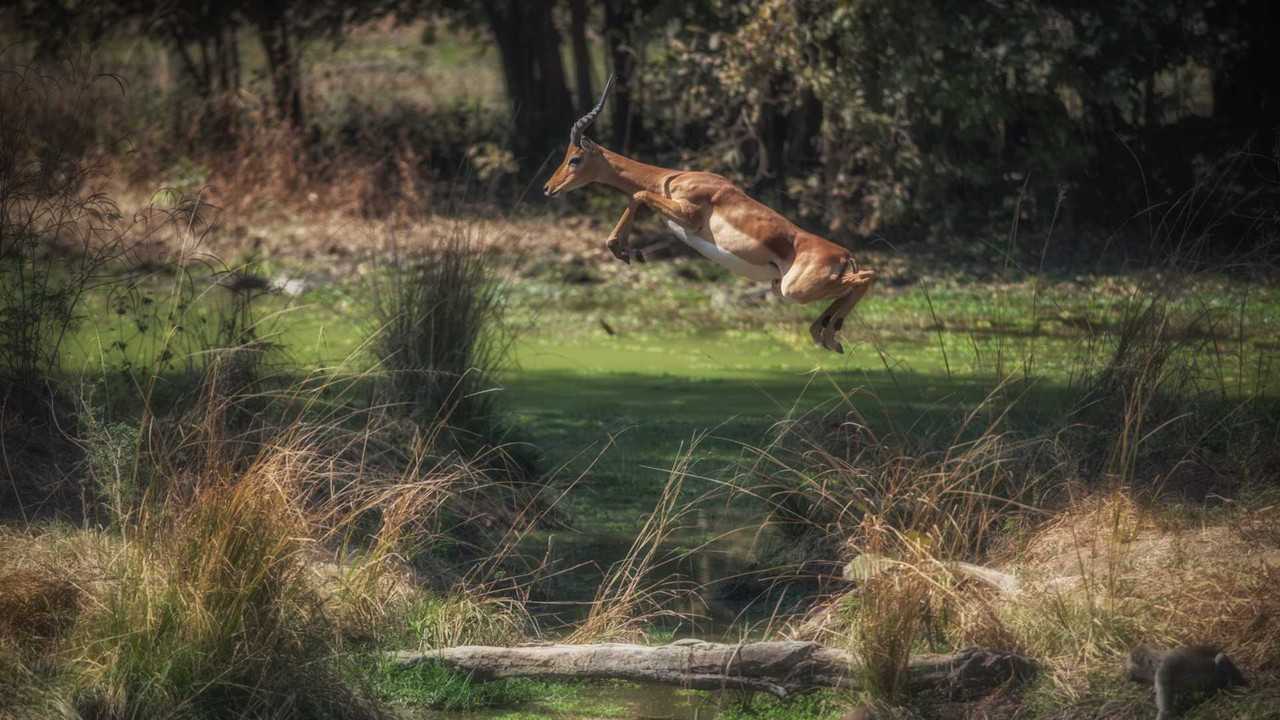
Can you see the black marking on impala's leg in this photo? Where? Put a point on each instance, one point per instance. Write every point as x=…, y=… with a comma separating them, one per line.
x=835, y=328
x=828, y=339
x=816, y=332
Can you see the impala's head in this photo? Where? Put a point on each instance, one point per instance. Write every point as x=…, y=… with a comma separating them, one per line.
x=583, y=162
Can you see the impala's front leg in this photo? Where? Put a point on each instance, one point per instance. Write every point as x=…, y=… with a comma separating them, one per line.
x=681, y=211
x=618, y=243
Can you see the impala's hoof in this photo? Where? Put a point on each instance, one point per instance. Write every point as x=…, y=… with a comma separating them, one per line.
x=616, y=247
x=829, y=338
x=815, y=332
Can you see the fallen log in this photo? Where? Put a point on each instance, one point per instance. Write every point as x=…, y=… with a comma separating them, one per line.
x=780, y=668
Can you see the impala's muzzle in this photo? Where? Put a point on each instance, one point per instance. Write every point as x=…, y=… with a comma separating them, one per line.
x=550, y=191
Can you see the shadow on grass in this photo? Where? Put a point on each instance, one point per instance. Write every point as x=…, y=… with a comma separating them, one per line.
x=649, y=416
x=643, y=422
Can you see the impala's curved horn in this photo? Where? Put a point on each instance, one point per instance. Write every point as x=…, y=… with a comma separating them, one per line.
x=584, y=122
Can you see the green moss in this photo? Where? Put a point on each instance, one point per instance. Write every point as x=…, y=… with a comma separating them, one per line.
x=819, y=705
x=431, y=685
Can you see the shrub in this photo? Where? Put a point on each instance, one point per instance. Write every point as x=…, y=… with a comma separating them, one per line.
x=465, y=619
x=56, y=238
x=439, y=334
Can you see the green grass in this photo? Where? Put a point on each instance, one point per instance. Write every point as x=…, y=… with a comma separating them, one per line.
x=433, y=686
x=682, y=359
x=430, y=686
x=614, y=409
x=819, y=705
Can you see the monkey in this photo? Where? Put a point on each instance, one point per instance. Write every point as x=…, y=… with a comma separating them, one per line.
x=1182, y=673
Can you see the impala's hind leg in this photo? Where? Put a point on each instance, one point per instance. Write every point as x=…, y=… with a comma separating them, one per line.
x=821, y=329
x=831, y=321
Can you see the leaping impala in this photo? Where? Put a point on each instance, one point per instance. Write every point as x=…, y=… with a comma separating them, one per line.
x=716, y=218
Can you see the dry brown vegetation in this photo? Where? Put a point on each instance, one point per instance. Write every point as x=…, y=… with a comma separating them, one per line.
x=236, y=579
x=242, y=536
x=1135, y=510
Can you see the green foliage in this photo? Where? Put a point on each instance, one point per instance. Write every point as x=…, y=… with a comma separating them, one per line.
x=56, y=240
x=112, y=454
x=431, y=685
x=947, y=113
x=185, y=178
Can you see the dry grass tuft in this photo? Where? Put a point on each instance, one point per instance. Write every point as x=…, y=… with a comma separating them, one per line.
x=462, y=618
x=1229, y=606
x=892, y=609
x=212, y=611
x=206, y=598
x=912, y=495
x=37, y=606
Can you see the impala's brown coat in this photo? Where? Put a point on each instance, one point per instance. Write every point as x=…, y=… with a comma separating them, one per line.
x=751, y=238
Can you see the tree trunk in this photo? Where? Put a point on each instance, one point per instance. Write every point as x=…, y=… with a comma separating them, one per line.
x=780, y=668
x=581, y=54
x=620, y=40
x=770, y=138
x=193, y=72
x=805, y=130
x=787, y=137
x=533, y=73
x=1246, y=92
x=227, y=60
x=553, y=86
x=278, y=45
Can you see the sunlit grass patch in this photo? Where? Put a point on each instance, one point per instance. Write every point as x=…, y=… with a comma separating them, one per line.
x=462, y=619
x=431, y=685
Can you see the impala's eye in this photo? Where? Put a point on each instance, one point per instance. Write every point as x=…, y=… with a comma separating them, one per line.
x=575, y=161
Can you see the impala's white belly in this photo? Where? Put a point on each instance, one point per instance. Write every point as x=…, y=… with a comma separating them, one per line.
x=717, y=254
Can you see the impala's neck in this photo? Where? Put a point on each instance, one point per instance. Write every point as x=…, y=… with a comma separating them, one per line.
x=630, y=176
